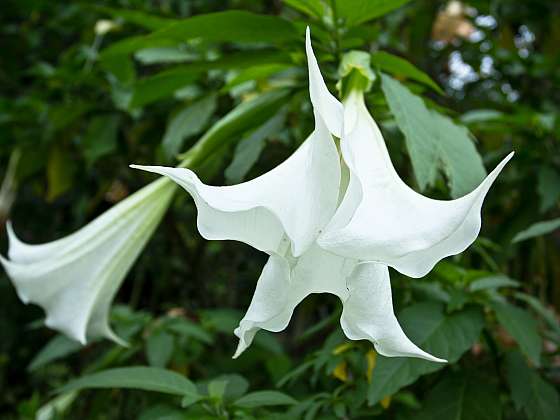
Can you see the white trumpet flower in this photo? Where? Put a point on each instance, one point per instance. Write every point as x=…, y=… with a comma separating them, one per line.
x=74, y=279
x=283, y=213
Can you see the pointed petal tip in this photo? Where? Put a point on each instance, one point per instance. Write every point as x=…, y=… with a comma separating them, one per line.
x=240, y=349
x=12, y=237
x=431, y=358
x=147, y=168
x=116, y=339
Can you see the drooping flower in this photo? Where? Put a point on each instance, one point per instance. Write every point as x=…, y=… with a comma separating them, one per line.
x=283, y=212
x=74, y=279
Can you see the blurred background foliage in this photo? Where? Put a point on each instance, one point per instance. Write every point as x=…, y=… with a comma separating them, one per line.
x=90, y=87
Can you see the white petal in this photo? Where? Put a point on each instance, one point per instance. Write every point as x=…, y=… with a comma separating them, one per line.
x=297, y=198
x=283, y=285
x=368, y=314
x=328, y=107
x=381, y=219
x=74, y=279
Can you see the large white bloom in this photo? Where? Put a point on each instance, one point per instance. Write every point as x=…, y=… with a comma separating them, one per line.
x=286, y=210
x=74, y=279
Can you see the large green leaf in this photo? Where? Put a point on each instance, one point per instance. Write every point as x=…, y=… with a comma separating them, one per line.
x=530, y=393
x=462, y=397
x=245, y=116
x=538, y=229
x=264, y=398
x=401, y=67
x=136, y=377
x=522, y=327
x=232, y=26
x=427, y=325
x=358, y=11
x=165, y=83
x=191, y=120
x=227, y=26
x=434, y=142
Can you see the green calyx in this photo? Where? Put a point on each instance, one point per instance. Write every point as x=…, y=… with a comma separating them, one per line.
x=355, y=73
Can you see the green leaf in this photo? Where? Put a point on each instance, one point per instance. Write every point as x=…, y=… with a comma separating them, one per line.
x=165, y=83
x=247, y=115
x=101, y=137
x=492, y=282
x=434, y=142
x=537, y=229
x=121, y=67
x=264, y=398
x=548, y=315
x=187, y=328
x=248, y=150
x=530, y=393
x=232, y=26
x=481, y=116
x=58, y=347
x=462, y=397
x=255, y=73
x=136, y=377
x=164, y=55
x=53, y=409
x=159, y=348
x=217, y=388
x=359, y=11
x=160, y=412
x=236, y=386
x=61, y=168
x=427, y=325
x=140, y=18
x=313, y=8
x=191, y=120
x=161, y=85
x=522, y=327
x=227, y=26
x=401, y=67
x=548, y=187
x=221, y=320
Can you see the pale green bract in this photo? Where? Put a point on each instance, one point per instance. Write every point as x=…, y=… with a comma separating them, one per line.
x=74, y=279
